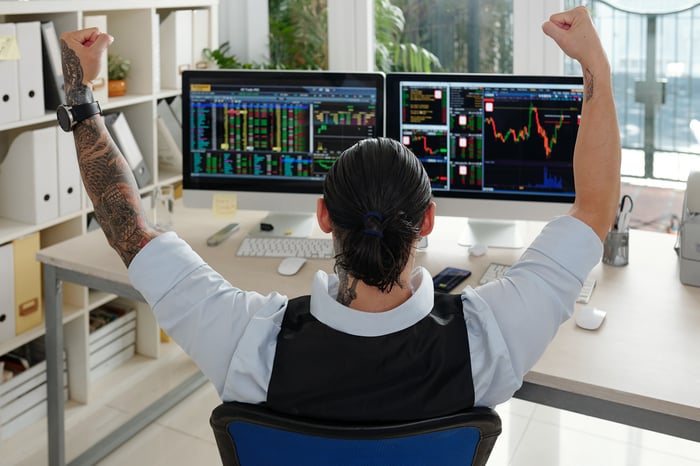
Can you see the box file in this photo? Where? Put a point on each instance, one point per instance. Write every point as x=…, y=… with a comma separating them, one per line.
x=29, y=178
x=7, y=294
x=175, y=47
x=54, y=93
x=29, y=305
x=9, y=87
x=30, y=70
x=121, y=132
x=70, y=190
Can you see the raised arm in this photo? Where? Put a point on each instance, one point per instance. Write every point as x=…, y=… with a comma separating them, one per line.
x=597, y=153
x=106, y=175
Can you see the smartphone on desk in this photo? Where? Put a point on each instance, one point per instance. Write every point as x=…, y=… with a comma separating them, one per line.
x=448, y=278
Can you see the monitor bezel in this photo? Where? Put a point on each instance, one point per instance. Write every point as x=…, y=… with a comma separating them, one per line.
x=374, y=80
x=393, y=122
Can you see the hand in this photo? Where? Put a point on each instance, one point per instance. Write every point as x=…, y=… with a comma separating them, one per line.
x=81, y=52
x=575, y=34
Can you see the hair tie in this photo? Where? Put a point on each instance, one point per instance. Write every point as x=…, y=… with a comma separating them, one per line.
x=373, y=214
x=373, y=231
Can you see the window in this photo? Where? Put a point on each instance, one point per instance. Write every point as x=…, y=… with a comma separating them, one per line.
x=655, y=60
x=466, y=36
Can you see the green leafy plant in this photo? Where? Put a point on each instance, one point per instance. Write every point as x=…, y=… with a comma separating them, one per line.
x=118, y=67
x=226, y=60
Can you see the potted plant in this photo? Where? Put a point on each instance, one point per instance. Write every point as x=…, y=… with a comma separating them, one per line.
x=118, y=69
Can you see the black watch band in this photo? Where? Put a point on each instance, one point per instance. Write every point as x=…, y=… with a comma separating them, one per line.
x=69, y=116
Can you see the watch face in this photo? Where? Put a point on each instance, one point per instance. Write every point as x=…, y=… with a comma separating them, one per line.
x=65, y=120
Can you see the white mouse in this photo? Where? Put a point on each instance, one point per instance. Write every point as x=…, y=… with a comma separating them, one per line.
x=590, y=317
x=290, y=265
x=478, y=249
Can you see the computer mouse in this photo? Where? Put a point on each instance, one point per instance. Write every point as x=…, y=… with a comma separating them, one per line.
x=589, y=317
x=478, y=249
x=290, y=265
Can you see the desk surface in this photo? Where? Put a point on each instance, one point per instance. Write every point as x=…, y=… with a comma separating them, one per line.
x=646, y=354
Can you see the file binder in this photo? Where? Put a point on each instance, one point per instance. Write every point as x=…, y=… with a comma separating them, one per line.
x=175, y=48
x=29, y=177
x=121, y=132
x=29, y=305
x=69, y=183
x=200, y=37
x=169, y=138
x=54, y=93
x=31, y=73
x=9, y=87
x=100, y=89
x=7, y=294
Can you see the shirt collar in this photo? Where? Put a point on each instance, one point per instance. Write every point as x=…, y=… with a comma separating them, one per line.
x=326, y=309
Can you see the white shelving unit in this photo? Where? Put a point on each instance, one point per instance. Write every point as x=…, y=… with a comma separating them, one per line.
x=135, y=26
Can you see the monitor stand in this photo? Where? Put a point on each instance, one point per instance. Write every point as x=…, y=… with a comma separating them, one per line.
x=286, y=225
x=493, y=233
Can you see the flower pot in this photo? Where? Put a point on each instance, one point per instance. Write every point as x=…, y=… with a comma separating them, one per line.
x=117, y=87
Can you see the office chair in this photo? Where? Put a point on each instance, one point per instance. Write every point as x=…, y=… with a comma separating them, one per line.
x=250, y=435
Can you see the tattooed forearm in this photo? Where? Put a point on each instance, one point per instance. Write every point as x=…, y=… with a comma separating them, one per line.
x=76, y=91
x=111, y=186
x=588, y=84
x=346, y=294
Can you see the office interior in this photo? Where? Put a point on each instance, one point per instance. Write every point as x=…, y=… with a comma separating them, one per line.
x=533, y=433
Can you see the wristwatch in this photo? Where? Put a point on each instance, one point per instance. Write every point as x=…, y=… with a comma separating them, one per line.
x=69, y=116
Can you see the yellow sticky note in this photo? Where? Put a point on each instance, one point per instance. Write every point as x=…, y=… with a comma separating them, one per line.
x=8, y=48
x=224, y=205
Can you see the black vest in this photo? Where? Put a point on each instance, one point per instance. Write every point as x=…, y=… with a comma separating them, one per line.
x=419, y=372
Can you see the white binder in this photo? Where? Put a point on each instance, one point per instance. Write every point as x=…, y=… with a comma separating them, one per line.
x=31, y=73
x=121, y=132
x=69, y=185
x=100, y=90
x=9, y=88
x=200, y=37
x=7, y=293
x=175, y=48
x=29, y=179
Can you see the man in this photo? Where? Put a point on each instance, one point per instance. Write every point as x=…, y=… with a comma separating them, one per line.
x=383, y=345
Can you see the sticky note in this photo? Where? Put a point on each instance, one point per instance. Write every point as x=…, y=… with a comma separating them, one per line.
x=224, y=205
x=8, y=48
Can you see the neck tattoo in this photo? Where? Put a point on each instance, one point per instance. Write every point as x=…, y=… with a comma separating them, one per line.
x=346, y=294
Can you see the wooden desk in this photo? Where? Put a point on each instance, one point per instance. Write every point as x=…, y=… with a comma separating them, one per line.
x=642, y=367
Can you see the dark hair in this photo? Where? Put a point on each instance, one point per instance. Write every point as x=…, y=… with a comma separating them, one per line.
x=377, y=193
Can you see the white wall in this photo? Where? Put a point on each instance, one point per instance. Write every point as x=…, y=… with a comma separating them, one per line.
x=533, y=51
x=351, y=35
x=245, y=24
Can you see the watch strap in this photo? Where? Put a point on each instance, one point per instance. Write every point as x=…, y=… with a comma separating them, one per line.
x=84, y=111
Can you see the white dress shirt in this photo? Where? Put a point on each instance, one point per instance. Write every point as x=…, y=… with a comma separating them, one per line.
x=231, y=334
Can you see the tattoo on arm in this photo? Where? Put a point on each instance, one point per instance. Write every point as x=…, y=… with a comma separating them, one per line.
x=106, y=175
x=588, y=91
x=346, y=294
x=76, y=91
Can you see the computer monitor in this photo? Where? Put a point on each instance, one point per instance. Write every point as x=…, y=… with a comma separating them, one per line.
x=271, y=136
x=498, y=148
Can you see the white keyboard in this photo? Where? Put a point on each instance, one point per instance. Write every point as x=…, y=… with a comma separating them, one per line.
x=310, y=248
x=494, y=271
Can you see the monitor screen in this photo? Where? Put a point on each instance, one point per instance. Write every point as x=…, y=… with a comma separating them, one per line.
x=271, y=136
x=497, y=140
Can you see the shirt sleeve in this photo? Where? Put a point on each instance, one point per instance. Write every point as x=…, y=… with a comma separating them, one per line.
x=512, y=320
x=229, y=333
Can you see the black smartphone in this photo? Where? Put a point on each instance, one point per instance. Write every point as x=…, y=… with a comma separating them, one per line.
x=448, y=278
